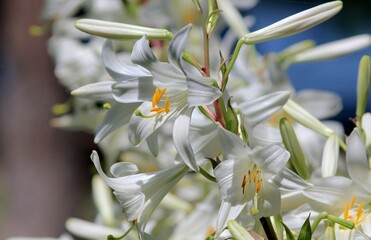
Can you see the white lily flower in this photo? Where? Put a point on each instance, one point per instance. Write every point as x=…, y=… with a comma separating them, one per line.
x=244, y=178
x=140, y=194
x=156, y=91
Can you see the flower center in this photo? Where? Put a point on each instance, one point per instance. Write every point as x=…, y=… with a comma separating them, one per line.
x=253, y=177
x=352, y=215
x=156, y=99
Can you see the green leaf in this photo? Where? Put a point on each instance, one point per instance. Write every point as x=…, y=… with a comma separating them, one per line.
x=231, y=119
x=305, y=231
x=289, y=234
x=292, y=145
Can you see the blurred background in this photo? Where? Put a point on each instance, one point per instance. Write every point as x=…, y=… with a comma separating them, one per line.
x=43, y=171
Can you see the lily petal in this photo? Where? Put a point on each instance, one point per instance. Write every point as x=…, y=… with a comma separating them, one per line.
x=271, y=159
x=181, y=139
x=101, y=91
x=262, y=108
x=116, y=117
x=232, y=146
x=177, y=46
x=116, y=69
x=134, y=90
x=356, y=160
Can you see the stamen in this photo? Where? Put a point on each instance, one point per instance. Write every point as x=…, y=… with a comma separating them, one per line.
x=353, y=201
x=258, y=185
x=346, y=211
x=156, y=98
x=256, y=174
x=243, y=185
x=167, y=105
x=359, y=212
x=249, y=173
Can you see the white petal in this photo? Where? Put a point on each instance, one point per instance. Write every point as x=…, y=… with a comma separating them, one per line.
x=321, y=104
x=118, y=70
x=232, y=146
x=181, y=139
x=177, y=46
x=140, y=128
x=227, y=212
x=134, y=90
x=200, y=93
x=289, y=181
x=116, y=117
x=356, y=159
x=95, y=91
x=270, y=159
x=142, y=53
x=122, y=169
x=330, y=157
x=262, y=108
x=366, y=125
x=132, y=203
x=88, y=230
x=263, y=135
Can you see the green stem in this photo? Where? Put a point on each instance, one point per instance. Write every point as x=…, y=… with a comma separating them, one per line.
x=231, y=63
x=268, y=228
x=318, y=219
x=110, y=237
x=207, y=175
x=342, y=144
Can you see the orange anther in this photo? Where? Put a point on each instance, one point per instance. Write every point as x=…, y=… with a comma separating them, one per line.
x=243, y=185
x=258, y=185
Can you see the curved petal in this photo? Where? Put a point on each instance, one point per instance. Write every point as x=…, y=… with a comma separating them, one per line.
x=122, y=169
x=142, y=53
x=101, y=91
x=200, y=93
x=142, y=127
x=366, y=125
x=118, y=70
x=288, y=180
x=262, y=108
x=227, y=212
x=132, y=203
x=134, y=90
x=356, y=160
x=152, y=143
x=88, y=230
x=263, y=135
x=177, y=46
x=321, y=104
x=232, y=146
x=181, y=139
x=269, y=200
x=116, y=117
x=270, y=159
x=330, y=157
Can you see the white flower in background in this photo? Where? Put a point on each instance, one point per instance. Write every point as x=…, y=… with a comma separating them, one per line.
x=156, y=91
x=358, y=208
x=243, y=179
x=140, y=194
x=62, y=237
x=77, y=64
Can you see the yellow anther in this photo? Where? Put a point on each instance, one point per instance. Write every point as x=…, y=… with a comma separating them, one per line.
x=156, y=98
x=256, y=173
x=353, y=201
x=167, y=105
x=359, y=212
x=258, y=185
x=243, y=185
x=346, y=211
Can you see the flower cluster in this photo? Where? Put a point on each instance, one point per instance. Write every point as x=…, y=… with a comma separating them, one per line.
x=232, y=151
